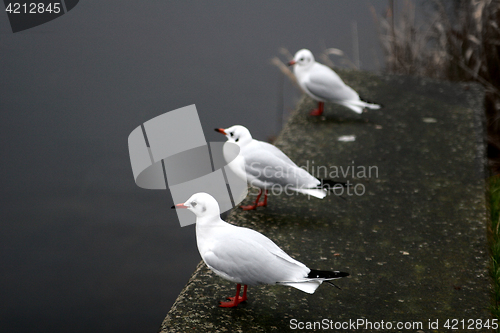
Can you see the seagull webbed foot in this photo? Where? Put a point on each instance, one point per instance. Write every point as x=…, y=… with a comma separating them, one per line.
x=316, y=112
x=319, y=110
x=237, y=299
x=231, y=304
x=240, y=299
x=248, y=207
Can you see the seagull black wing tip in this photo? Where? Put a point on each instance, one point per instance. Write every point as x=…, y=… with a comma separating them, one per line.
x=370, y=102
x=317, y=274
x=331, y=185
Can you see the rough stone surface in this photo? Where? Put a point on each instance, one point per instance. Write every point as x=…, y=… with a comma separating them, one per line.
x=414, y=242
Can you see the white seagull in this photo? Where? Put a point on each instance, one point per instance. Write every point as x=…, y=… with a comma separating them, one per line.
x=245, y=256
x=324, y=85
x=265, y=166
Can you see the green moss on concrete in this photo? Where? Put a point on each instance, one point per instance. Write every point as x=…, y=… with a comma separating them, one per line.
x=414, y=243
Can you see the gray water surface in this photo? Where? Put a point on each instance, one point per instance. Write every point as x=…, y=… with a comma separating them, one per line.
x=83, y=248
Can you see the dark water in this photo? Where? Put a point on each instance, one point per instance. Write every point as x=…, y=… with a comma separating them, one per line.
x=83, y=248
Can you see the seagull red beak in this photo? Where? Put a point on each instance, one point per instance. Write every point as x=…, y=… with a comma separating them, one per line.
x=291, y=63
x=179, y=206
x=220, y=130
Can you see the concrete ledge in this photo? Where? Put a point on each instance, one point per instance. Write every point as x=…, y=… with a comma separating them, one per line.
x=414, y=243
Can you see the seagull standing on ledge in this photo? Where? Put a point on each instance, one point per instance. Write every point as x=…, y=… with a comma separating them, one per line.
x=264, y=166
x=324, y=85
x=245, y=256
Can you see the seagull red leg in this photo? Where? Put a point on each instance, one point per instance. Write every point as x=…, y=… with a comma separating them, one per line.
x=244, y=298
x=319, y=110
x=234, y=301
x=251, y=207
x=240, y=298
x=263, y=203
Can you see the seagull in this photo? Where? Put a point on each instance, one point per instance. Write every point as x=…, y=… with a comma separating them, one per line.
x=265, y=166
x=245, y=256
x=324, y=85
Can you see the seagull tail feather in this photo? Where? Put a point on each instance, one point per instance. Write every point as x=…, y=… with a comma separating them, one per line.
x=314, y=279
x=315, y=192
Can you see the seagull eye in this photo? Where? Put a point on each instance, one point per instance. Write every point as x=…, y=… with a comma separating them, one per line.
x=232, y=134
x=301, y=59
x=193, y=204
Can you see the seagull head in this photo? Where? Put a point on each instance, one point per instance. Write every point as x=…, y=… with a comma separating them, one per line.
x=201, y=204
x=303, y=58
x=237, y=134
